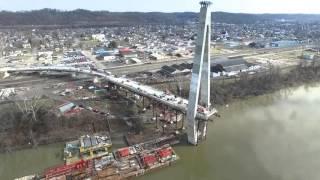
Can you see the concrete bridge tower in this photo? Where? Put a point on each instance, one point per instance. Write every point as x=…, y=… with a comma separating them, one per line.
x=200, y=81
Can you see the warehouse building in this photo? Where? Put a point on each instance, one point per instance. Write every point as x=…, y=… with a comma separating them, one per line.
x=220, y=67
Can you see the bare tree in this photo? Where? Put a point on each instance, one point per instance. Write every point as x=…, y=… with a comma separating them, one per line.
x=29, y=109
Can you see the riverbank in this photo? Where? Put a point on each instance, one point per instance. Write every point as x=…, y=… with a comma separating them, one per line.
x=18, y=130
x=274, y=79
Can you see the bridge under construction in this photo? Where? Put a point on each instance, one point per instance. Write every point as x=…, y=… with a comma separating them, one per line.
x=197, y=113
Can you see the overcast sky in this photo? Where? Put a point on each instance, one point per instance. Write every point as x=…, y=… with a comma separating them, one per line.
x=244, y=6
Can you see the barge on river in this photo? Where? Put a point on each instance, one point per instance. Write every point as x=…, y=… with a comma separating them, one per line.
x=120, y=164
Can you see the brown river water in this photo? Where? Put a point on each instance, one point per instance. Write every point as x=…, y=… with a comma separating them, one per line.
x=271, y=137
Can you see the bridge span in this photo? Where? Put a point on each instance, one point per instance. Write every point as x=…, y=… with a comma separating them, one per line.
x=159, y=96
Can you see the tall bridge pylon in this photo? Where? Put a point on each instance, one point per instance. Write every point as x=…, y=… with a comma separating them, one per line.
x=200, y=80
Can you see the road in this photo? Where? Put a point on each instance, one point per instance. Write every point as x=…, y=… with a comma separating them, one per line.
x=128, y=69
x=21, y=83
x=93, y=58
x=35, y=81
x=144, y=67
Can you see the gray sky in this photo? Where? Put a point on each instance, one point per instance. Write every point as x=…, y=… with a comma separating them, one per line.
x=244, y=6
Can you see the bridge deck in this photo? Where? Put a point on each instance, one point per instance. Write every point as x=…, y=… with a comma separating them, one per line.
x=170, y=100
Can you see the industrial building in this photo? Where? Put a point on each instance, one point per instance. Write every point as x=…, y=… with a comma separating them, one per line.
x=220, y=67
x=229, y=67
x=176, y=69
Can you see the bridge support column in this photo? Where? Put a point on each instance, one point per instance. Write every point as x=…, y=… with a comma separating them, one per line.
x=200, y=80
x=183, y=119
x=6, y=74
x=176, y=120
x=202, y=129
x=157, y=120
x=74, y=75
x=142, y=102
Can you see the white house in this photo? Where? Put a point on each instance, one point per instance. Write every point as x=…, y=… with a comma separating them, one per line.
x=99, y=37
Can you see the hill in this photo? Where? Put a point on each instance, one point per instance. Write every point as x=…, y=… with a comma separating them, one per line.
x=80, y=17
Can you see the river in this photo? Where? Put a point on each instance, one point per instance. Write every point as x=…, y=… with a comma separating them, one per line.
x=30, y=161
x=271, y=137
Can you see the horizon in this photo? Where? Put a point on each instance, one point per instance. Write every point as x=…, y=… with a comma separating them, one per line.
x=70, y=10
x=167, y=6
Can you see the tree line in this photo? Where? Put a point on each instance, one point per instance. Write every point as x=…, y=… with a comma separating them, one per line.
x=80, y=17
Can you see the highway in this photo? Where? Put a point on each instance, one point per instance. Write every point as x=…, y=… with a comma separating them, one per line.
x=128, y=69
x=20, y=83
x=34, y=80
